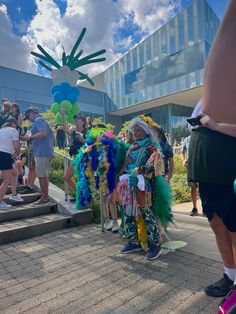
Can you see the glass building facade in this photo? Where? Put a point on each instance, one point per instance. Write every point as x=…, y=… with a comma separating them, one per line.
x=169, y=61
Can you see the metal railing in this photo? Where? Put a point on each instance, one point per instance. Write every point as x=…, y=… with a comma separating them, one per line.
x=66, y=161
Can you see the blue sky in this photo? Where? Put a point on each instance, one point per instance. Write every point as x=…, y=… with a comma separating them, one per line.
x=116, y=25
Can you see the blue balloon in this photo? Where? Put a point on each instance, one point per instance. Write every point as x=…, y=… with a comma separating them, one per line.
x=72, y=97
x=75, y=90
x=65, y=87
x=58, y=97
x=55, y=89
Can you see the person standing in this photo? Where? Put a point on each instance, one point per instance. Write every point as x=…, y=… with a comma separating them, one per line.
x=167, y=155
x=77, y=134
x=192, y=184
x=42, y=147
x=5, y=111
x=212, y=151
x=9, y=144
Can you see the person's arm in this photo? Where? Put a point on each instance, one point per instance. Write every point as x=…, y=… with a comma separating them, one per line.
x=225, y=128
x=66, y=127
x=16, y=145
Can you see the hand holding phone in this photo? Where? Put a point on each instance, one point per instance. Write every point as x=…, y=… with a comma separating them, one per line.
x=195, y=121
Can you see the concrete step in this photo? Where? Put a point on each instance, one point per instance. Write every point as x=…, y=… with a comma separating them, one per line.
x=28, y=198
x=31, y=227
x=19, y=188
x=26, y=211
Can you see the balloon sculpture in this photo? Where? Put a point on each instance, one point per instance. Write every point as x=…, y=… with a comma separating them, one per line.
x=65, y=77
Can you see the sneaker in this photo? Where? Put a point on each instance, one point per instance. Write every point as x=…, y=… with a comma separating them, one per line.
x=131, y=247
x=115, y=226
x=108, y=224
x=194, y=212
x=154, y=252
x=221, y=288
x=27, y=190
x=72, y=200
x=4, y=205
x=228, y=304
x=41, y=201
x=16, y=198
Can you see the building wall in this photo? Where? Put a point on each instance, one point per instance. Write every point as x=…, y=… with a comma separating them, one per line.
x=171, y=60
x=31, y=90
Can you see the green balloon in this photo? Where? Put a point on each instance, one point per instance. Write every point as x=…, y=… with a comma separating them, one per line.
x=70, y=118
x=55, y=107
x=58, y=118
x=75, y=109
x=66, y=104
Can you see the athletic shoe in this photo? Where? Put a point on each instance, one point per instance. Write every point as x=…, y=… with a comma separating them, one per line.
x=221, y=288
x=4, y=205
x=41, y=201
x=16, y=198
x=108, y=224
x=115, y=226
x=228, y=304
x=27, y=190
x=154, y=252
x=194, y=212
x=72, y=200
x=131, y=247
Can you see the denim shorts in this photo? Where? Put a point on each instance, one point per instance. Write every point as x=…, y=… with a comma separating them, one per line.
x=221, y=200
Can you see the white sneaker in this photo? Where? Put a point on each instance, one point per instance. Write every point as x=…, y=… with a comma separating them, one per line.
x=107, y=224
x=16, y=198
x=115, y=226
x=4, y=205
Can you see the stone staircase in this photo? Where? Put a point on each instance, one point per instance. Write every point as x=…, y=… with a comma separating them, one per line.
x=25, y=220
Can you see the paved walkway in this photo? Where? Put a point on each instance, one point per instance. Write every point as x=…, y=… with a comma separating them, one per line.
x=80, y=270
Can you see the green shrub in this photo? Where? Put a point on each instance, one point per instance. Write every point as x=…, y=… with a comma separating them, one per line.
x=180, y=189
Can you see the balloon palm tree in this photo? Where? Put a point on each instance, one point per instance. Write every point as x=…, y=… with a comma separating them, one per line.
x=73, y=60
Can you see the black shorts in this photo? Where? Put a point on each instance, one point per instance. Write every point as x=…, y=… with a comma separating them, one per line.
x=6, y=161
x=219, y=199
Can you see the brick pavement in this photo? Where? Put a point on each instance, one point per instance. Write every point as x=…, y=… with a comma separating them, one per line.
x=80, y=270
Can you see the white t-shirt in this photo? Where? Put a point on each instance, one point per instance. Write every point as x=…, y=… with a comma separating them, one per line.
x=7, y=136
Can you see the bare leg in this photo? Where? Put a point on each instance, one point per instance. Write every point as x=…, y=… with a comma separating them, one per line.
x=14, y=180
x=44, y=187
x=6, y=176
x=194, y=196
x=31, y=176
x=68, y=177
x=233, y=238
x=224, y=241
x=106, y=207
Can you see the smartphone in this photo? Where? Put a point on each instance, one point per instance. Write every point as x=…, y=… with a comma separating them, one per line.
x=194, y=121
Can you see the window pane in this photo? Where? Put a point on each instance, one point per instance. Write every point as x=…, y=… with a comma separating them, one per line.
x=141, y=55
x=163, y=42
x=148, y=50
x=172, y=36
x=181, y=30
x=155, y=46
x=190, y=26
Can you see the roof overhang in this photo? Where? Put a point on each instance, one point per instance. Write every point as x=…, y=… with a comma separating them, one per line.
x=188, y=98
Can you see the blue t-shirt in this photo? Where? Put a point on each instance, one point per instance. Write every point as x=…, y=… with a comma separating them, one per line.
x=42, y=147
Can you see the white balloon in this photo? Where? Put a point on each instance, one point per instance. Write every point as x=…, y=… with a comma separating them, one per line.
x=64, y=74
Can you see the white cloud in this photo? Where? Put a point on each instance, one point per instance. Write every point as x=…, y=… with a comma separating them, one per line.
x=103, y=21
x=149, y=14
x=14, y=51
